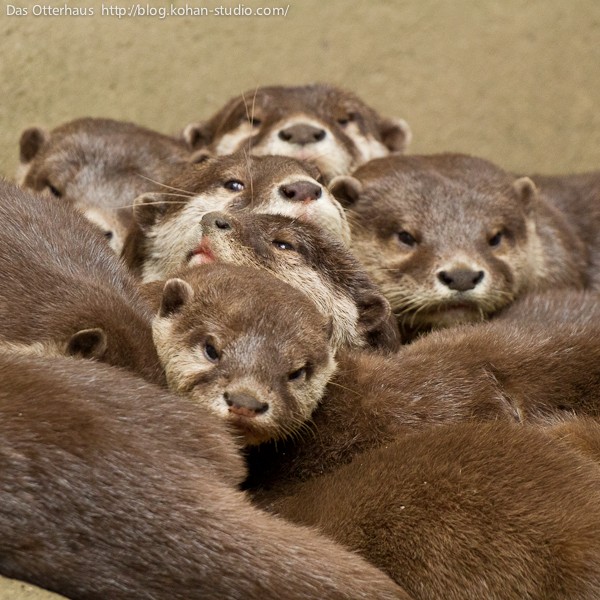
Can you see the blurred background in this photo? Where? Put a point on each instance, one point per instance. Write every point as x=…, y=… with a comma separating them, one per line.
x=515, y=81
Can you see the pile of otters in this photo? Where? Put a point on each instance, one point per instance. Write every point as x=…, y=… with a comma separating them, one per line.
x=274, y=357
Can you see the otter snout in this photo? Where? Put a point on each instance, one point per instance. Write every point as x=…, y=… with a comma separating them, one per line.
x=302, y=134
x=216, y=220
x=301, y=190
x=461, y=280
x=245, y=404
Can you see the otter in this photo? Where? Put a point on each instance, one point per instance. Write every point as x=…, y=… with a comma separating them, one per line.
x=250, y=348
x=321, y=123
x=114, y=488
x=167, y=223
x=453, y=239
x=64, y=291
x=468, y=511
x=100, y=166
x=517, y=369
x=304, y=257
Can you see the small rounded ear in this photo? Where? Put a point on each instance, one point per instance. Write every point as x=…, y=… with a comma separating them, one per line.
x=377, y=323
x=345, y=189
x=197, y=135
x=176, y=293
x=526, y=191
x=32, y=139
x=396, y=134
x=88, y=343
x=200, y=156
x=148, y=209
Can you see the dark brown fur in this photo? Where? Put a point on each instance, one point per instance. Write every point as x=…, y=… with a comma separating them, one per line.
x=112, y=488
x=466, y=512
x=512, y=369
x=65, y=289
x=322, y=123
x=452, y=238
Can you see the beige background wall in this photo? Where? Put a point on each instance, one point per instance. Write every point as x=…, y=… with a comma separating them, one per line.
x=515, y=81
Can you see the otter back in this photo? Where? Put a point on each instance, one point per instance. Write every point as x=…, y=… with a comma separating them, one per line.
x=65, y=289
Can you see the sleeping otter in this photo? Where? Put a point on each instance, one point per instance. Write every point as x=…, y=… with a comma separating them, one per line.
x=321, y=123
x=453, y=239
x=100, y=166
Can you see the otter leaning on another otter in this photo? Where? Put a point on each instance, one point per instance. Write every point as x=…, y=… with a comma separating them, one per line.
x=167, y=224
x=453, y=239
x=321, y=123
x=100, y=166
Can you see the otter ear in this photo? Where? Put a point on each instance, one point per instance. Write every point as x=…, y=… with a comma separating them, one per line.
x=148, y=209
x=197, y=135
x=87, y=343
x=200, y=156
x=176, y=294
x=526, y=191
x=396, y=134
x=345, y=189
x=377, y=323
x=31, y=142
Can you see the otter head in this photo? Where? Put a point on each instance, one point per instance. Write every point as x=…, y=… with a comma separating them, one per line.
x=169, y=223
x=307, y=258
x=99, y=166
x=444, y=249
x=320, y=123
x=250, y=348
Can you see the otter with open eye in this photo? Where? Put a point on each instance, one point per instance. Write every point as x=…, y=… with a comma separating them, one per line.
x=252, y=349
x=326, y=125
x=453, y=239
x=167, y=224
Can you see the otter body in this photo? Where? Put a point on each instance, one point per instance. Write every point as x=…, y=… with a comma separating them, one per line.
x=466, y=511
x=453, y=239
x=64, y=291
x=100, y=166
x=323, y=124
x=113, y=488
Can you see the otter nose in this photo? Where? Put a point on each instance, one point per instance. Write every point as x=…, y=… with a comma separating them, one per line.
x=245, y=404
x=301, y=190
x=461, y=280
x=216, y=220
x=302, y=134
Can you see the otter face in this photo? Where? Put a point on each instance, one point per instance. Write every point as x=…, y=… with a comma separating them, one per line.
x=302, y=256
x=99, y=166
x=250, y=348
x=325, y=125
x=443, y=251
x=171, y=221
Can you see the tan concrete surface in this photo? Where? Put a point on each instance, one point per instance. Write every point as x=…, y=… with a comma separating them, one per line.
x=516, y=81
x=11, y=589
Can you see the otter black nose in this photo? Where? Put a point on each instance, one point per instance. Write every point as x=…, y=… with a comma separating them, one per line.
x=301, y=190
x=217, y=220
x=245, y=404
x=461, y=280
x=302, y=134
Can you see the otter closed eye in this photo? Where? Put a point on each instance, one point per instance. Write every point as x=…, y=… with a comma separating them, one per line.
x=54, y=191
x=406, y=238
x=297, y=374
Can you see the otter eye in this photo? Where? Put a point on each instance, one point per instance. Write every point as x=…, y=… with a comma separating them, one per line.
x=406, y=238
x=283, y=245
x=343, y=121
x=297, y=374
x=255, y=122
x=234, y=185
x=211, y=352
x=54, y=191
x=108, y=235
x=496, y=239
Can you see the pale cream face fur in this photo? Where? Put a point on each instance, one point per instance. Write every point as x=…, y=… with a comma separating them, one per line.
x=184, y=365
x=170, y=241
